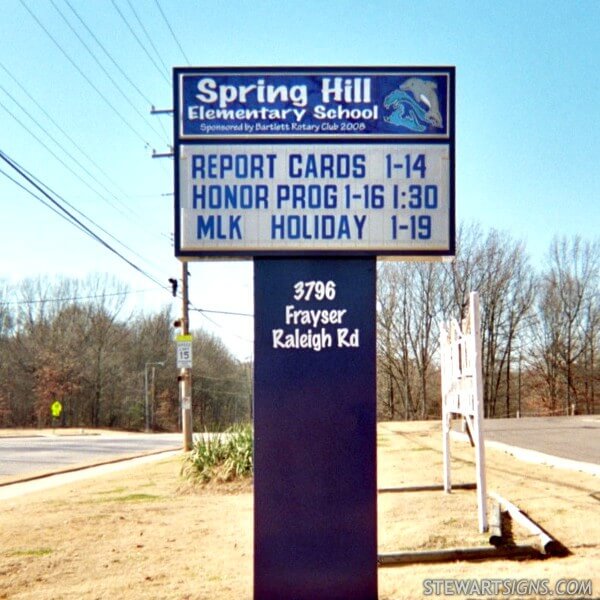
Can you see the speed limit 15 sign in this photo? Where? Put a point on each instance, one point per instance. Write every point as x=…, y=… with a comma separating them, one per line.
x=184, y=351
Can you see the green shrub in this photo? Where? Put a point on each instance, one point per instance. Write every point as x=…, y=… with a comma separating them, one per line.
x=221, y=457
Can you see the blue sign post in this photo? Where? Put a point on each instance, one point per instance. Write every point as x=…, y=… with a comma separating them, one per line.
x=314, y=173
x=315, y=496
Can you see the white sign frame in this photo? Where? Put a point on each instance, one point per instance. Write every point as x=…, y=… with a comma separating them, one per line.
x=462, y=394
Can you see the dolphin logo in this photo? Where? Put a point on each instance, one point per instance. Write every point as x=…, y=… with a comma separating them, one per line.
x=415, y=104
x=425, y=92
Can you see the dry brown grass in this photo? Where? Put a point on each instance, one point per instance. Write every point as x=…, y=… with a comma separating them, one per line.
x=143, y=533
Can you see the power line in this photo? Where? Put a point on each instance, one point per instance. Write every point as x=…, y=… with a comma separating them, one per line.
x=39, y=186
x=222, y=312
x=62, y=148
x=61, y=129
x=133, y=33
x=208, y=318
x=147, y=36
x=203, y=314
x=230, y=378
x=75, y=221
x=215, y=392
x=52, y=208
x=90, y=220
x=108, y=55
x=89, y=81
x=73, y=298
x=187, y=60
x=65, y=214
x=77, y=162
x=95, y=59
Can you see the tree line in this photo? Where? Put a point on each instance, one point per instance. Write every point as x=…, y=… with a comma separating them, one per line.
x=540, y=330
x=75, y=341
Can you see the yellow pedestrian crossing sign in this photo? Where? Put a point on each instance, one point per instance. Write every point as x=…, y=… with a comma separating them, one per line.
x=56, y=409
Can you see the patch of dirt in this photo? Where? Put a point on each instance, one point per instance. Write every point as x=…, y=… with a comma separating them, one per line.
x=144, y=533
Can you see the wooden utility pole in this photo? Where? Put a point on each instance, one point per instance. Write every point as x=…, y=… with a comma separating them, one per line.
x=153, y=399
x=185, y=380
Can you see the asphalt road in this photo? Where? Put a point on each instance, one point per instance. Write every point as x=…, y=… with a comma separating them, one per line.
x=575, y=438
x=22, y=456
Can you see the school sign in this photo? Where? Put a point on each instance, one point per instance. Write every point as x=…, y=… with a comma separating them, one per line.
x=314, y=161
x=314, y=173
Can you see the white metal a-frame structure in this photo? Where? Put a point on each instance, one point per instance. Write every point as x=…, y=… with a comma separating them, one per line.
x=462, y=393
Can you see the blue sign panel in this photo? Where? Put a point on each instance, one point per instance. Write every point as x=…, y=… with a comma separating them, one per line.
x=315, y=496
x=389, y=103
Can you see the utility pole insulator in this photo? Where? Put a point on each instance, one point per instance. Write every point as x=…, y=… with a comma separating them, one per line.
x=161, y=111
x=156, y=154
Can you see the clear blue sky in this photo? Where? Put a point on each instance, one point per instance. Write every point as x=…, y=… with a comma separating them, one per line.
x=528, y=120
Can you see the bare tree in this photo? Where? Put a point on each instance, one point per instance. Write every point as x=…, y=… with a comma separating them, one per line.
x=496, y=266
x=6, y=326
x=411, y=301
x=73, y=341
x=103, y=337
x=592, y=347
x=220, y=385
x=568, y=319
x=395, y=356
